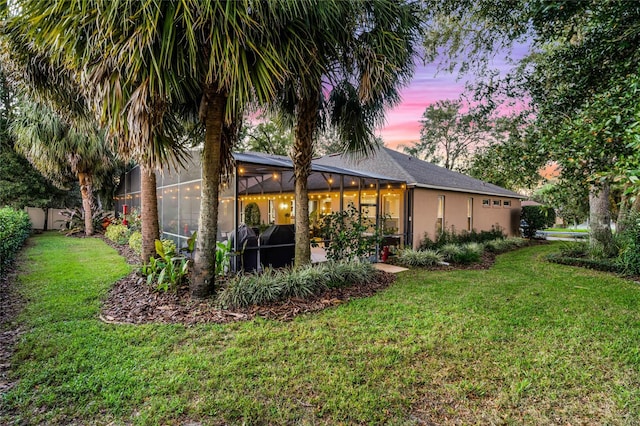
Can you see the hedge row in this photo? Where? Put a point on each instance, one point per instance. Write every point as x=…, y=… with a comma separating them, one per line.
x=15, y=227
x=606, y=265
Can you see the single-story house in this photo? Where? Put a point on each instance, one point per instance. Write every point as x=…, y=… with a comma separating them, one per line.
x=408, y=197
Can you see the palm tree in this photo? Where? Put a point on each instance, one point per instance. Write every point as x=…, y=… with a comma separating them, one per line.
x=360, y=52
x=59, y=79
x=59, y=151
x=141, y=60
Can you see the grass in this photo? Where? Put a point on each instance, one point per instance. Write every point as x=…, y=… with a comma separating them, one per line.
x=568, y=229
x=525, y=342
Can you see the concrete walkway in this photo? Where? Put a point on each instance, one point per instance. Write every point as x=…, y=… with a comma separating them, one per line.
x=392, y=269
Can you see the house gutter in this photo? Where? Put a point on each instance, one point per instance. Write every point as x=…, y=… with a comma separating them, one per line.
x=468, y=191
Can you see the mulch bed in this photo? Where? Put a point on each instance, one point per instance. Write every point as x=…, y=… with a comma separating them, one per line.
x=131, y=301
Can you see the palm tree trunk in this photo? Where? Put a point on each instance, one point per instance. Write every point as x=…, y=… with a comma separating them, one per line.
x=204, y=266
x=149, y=210
x=86, y=191
x=601, y=238
x=306, y=122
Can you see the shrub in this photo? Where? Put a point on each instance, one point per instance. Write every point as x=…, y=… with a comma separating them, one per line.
x=252, y=214
x=534, y=218
x=465, y=253
x=168, y=271
x=629, y=241
x=119, y=234
x=450, y=237
x=73, y=220
x=349, y=236
x=501, y=246
x=276, y=285
x=470, y=253
x=15, y=227
x=574, y=249
x=450, y=251
x=606, y=265
x=413, y=258
x=517, y=242
x=168, y=246
x=135, y=242
x=341, y=274
x=497, y=246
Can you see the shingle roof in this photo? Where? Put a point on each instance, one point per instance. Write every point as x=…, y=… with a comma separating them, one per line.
x=417, y=173
x=281, y=161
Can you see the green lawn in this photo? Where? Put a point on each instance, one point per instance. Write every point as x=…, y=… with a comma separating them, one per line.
x=567, y=230
x=526, y=342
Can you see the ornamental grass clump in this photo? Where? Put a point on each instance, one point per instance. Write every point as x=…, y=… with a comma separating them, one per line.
x=277, y=285
x=465, y=253
x=470, y=253
x=450, y=252
x=498, y=246
x=517, y=242
x=419, y=258
x=303, y=282
x=341, y=274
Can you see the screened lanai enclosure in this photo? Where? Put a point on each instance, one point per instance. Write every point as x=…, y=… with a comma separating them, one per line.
x=257, y=204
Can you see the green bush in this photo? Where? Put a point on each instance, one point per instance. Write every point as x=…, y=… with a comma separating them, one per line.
x=168, y=246
x=464, y=253
x=276, y=285
x=167, y=271
x=119, y=234
x=497, y=246
x=252, y=214
x=73, y=220
x=606, y=265
x=535, y=218
x=135, y=242
x=15, y=227
x=349, y=235
x=469, y=253
x=450, y=251
x=574, y=249
x=450, y=237
x=517, y=242
x=504, y=245
x=629, y=241
x=418, y=258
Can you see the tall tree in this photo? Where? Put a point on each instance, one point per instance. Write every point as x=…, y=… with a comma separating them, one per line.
x=449, y=136
x=584, y=57
x=266, y=136
x=20, y=184
x=57, y=119
x=361, y=52
x=60, y=151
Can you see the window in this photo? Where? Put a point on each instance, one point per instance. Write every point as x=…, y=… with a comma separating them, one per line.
x=272, y=211
x=486, y=202
x=469, y=214
x=497, y=203
x=440, y=215
x=506, y=203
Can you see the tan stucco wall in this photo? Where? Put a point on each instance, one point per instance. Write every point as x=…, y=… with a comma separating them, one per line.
x=455, y=213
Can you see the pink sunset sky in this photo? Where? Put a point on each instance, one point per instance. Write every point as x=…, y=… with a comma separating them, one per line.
x=429, y=86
